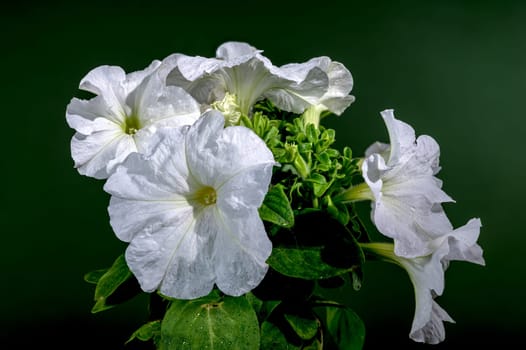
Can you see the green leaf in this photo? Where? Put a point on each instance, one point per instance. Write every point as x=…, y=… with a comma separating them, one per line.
x=317, y=247
x=292, y=326
x=255, y=302
x=263, y=308
x=272, y=338
x=344, y=328
x=246, y=122
x=305, y=328
x=107, y=284
x=303, y=263
x=212, y=322
x=147, y=331
x=276, y=208
x=319, y=184
x=268, y=307
x=324, y=161
x=93, y=277
x=337, y=210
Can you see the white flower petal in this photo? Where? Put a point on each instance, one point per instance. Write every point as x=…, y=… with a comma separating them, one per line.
x=433, y=221
x=156, y=255
x=427, y=275
x=383, y=149
x=395, y=219
x=92, y=154
x=428, y=153
x=233, y=49
x=129, y=218
x=216, y=154
x=400, y=184
x=154, y=102
x=299, y=94
x=337, y=97
x=401, y=136
x=432, y=331
x=247, y=80
x=201, y=146
x=461, y=244
x=191, y=273
x=240, y=252
x=183, y=236
x=83, y=115
x=142, y=197
x=181, y=70
x=135, y=79
x=373, y=169
x=107, y=82
x=234, y=199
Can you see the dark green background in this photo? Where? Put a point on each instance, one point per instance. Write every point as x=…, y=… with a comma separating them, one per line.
x=453, y=70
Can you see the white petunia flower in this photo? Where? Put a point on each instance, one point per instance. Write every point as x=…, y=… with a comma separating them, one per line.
x=190, y=209
x=337, y=97
x=241, y=75
x=427, y=276
x=122, y=117
x=406, y=196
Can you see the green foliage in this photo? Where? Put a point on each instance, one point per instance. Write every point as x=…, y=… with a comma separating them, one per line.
x=317, y=247
x=212, y=322
x=305, y=327
x=292, y=325
x=113, y=286
x=302, y=263
x=272, y=338
x=148, y=331
x=343, y=329
x=276, y=208
x=311, y=171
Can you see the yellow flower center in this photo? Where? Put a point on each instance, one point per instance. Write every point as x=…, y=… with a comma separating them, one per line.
x=131, y=125
x=206, y=196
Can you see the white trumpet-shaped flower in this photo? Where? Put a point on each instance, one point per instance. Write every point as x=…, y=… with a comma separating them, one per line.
x=189, y=209
x=122, y=117
x=337, y=97
x=427, y=276
x=406, y=196
x=242, y=75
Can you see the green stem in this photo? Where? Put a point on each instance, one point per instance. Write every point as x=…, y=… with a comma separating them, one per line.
x=312, y=115
x=355, y=193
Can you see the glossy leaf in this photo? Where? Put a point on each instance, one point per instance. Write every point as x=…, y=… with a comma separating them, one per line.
x=213, y=322
x=343, y=328
x=272, y=338
x=93, y=277
x=276, y=208
x=306, y=328
x=305, y=263
x=116, y=276
x=147, y=331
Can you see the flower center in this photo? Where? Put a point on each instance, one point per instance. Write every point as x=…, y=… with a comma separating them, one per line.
x=131, y=125
x=229, y=107
x=206, y=196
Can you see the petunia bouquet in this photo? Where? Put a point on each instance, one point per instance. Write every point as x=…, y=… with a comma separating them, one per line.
x=239, y=211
